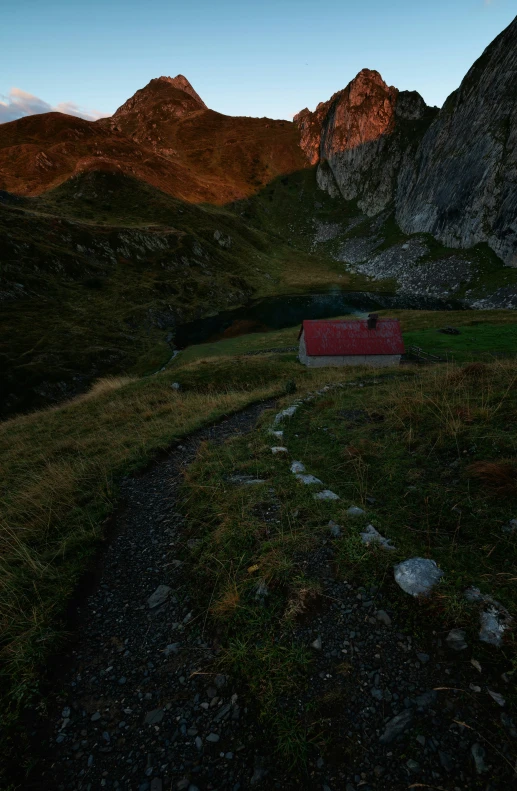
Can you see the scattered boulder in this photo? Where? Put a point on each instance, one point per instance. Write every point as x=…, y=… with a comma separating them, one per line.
x=288, y=412
x=383, y=617
x=160, y=595
x=335, y=529
x=297, y=466
x=326, y=494
x=456, y=640
x=246, y=480
x=261, y=591
x=355, y=511
x=494, y=618
x=478, y=755
x=497, y=697
x=317, y=644
x=278, y=449
x=371, y=536
x=417, y=576
x=396, y=726
x=308, y=480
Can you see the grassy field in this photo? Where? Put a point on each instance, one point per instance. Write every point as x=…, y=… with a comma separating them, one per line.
x=483, y=332
x=436, y=449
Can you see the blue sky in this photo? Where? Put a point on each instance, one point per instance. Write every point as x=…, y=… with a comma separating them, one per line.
x=244, y=57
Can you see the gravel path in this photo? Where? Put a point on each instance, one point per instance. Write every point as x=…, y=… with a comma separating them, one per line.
x=141, y=704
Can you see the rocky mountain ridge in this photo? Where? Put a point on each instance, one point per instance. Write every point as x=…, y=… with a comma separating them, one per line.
x=359, y=137
x=164, y=135
x=451, y=173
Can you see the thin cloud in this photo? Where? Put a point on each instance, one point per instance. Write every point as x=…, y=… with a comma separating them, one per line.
x=19, y=103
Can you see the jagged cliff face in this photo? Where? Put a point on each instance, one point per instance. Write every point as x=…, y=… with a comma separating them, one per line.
x=461, y=186
x=358, y=139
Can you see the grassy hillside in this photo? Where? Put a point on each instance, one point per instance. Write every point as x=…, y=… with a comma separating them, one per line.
x=97, y=274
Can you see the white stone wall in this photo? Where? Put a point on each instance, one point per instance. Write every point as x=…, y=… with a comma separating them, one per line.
x=338, y=360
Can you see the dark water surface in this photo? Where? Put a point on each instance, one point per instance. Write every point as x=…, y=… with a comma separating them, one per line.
x=275, y=313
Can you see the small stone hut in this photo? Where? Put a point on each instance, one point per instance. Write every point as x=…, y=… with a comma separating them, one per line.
x=372, y=341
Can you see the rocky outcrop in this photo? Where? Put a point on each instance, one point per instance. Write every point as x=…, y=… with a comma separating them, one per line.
x=359, y=137
x=461, y=185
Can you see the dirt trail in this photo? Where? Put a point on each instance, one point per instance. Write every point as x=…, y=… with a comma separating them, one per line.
x=140, y=705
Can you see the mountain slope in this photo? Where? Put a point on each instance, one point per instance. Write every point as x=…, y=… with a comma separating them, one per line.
x=461, y=186
x=97, y=274
x=164, y=135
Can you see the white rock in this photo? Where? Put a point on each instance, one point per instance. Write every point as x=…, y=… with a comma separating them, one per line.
x=297, y=466
x=288, y=412
x=277, y=434
x=308, y=480
x=317, y=644
x=334, y=528
x=417, y=576
x=371, y=535
x=326, y=494
x=355, y=511
x=279, y=449
x=497, y=697
x=245, y=480
x=493, y=617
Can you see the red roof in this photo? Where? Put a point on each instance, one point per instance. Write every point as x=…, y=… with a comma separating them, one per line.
x=352, y=337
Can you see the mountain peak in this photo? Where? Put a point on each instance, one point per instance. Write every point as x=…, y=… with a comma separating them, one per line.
x=182, y=84
x=369, y=75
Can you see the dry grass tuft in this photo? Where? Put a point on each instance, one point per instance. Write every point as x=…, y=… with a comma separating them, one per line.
x=471, y=372
x=104, y=386
x=227, y=603
x=301, y=601
x=498, y=477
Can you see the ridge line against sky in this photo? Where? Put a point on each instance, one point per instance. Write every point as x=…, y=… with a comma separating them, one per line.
x=244, y=57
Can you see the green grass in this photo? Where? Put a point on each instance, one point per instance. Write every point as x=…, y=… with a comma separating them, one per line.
x=483, y=331
x=242, y=344
x=474, y=343
x=410, y=439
